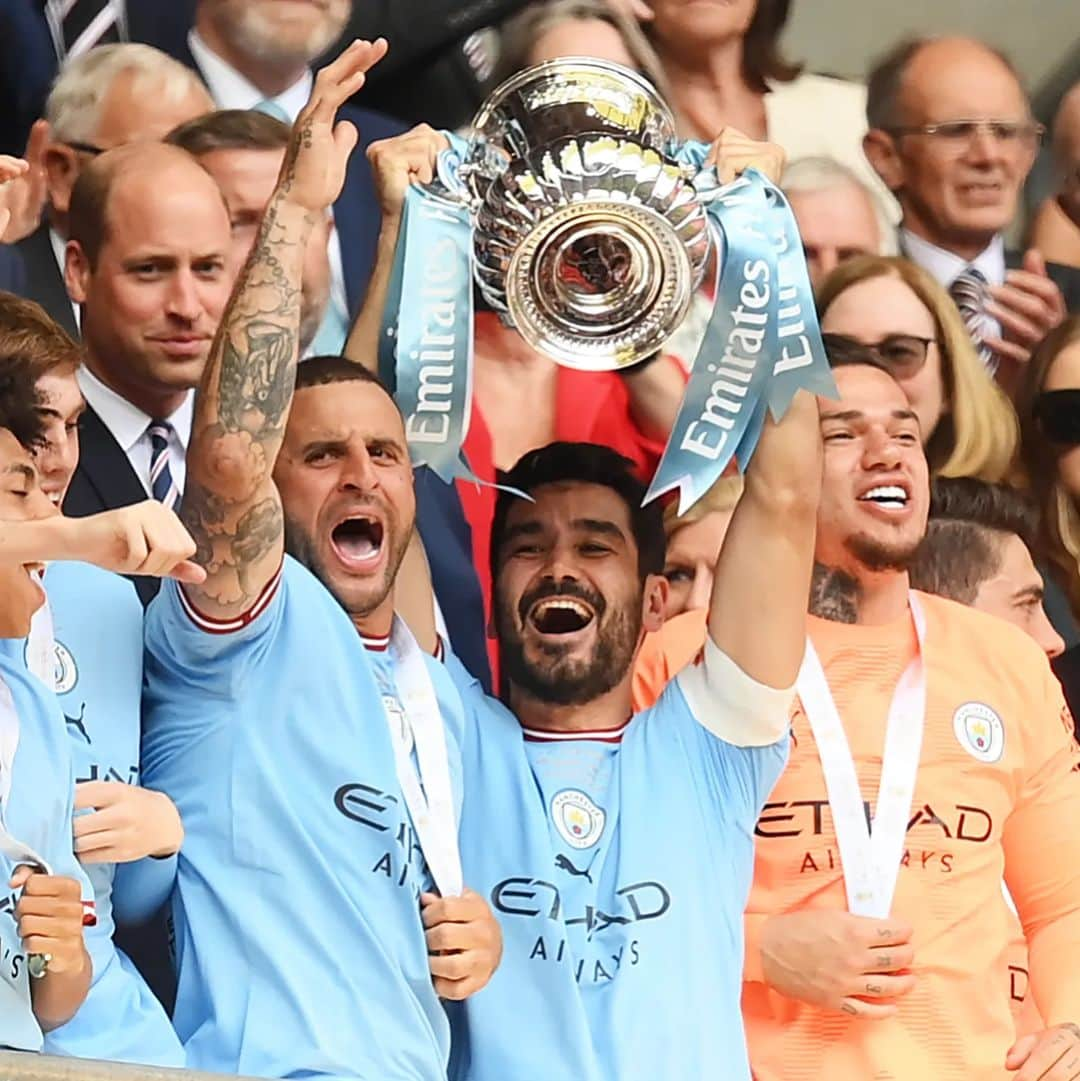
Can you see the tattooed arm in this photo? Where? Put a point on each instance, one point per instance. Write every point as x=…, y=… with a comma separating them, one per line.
x=231, y=506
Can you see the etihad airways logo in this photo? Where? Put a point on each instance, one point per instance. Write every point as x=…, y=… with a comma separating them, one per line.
x=808, y=817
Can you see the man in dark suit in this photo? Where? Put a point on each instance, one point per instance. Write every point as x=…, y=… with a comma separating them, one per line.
x=148, y=263
x=952, y=135
x=108, y=97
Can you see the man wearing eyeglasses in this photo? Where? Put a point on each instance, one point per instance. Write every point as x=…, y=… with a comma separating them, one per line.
x=951, y=134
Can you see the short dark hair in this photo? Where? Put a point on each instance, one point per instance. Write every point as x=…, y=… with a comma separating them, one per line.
x=962, y=548
x=231, y=129
x=585, y=463
x=845, y=352
x=887, y=76
x=20, y=402
x=324, y=370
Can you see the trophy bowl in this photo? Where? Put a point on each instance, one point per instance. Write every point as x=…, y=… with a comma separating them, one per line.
x=589, y=237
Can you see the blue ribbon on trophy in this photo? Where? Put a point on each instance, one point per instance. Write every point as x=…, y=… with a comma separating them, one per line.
x=425, y=349
x=556, y=143
x=762, y=342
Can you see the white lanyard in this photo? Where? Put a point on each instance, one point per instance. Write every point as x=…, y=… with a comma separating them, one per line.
x=41, y=645
x=428, y=796
x=13, y=848
x=870, y=857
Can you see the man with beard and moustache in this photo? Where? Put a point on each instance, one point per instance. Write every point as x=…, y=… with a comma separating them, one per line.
x=931, y=752
x=616, y=849
x=313, y=774
x=242, y=149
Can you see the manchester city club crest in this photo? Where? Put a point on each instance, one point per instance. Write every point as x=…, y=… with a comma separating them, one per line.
x=65, y=673
x=579, y=821
x=979, y=731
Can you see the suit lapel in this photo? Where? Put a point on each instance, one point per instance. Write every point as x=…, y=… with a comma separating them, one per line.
x=105, y=466
x=44, y=282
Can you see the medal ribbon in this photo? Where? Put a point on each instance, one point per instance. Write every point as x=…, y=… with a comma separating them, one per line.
x=428, y=794
x=870, y=854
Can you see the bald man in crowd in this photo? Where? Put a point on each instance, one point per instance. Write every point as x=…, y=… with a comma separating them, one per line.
x=149, y=265
x=836, y=212
x=108, y=97
x=953, y=137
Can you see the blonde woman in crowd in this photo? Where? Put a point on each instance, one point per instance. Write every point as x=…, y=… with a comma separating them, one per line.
x=1049, y=408
x=968, y=426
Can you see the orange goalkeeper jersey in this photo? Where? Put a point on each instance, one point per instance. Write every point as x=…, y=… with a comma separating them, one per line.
x=997, y=792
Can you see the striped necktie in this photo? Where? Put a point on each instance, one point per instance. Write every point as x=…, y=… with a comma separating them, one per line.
x=968, y=291
x=77, y=26
x=162, y=484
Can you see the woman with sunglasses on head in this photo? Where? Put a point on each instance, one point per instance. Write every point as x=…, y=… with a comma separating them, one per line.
x=1049, y=406
x=968, y=427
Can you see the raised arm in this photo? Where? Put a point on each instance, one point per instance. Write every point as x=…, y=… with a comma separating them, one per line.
x=395, y=164
x=757, y=612
x=242, y=405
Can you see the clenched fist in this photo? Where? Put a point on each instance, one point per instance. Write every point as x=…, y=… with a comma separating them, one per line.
x=464, y=942
x=50, y=919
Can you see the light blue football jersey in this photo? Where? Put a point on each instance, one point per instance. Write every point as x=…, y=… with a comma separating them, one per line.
x=98, y=627
x=619, y=868
x=38, y=813
x=299, y=943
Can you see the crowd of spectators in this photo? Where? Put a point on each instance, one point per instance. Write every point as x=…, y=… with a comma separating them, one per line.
x=171, y=241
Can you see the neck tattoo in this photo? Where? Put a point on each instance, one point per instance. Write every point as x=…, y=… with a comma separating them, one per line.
x=834, y=595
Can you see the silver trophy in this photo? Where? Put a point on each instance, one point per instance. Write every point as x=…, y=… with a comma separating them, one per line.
x=589, y=235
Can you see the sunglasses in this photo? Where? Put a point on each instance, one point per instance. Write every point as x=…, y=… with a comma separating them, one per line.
x=1058, y=413
x=903, y=354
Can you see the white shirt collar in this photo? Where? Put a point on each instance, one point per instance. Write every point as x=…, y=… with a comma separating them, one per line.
x=128, y=422
x=231, y=90
x=944, y=265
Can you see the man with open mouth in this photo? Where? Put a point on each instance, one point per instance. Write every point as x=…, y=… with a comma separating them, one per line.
x=289, y=713
x=617, y=849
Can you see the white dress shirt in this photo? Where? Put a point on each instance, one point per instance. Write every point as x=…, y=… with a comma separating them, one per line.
x=230, y=90
x=945, y=266
x=128, y=425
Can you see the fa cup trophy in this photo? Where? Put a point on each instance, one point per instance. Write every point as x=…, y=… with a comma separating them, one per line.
x=588, y=227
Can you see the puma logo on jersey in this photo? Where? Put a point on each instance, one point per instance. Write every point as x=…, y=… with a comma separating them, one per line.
x=77, y=723
x=562, y=863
